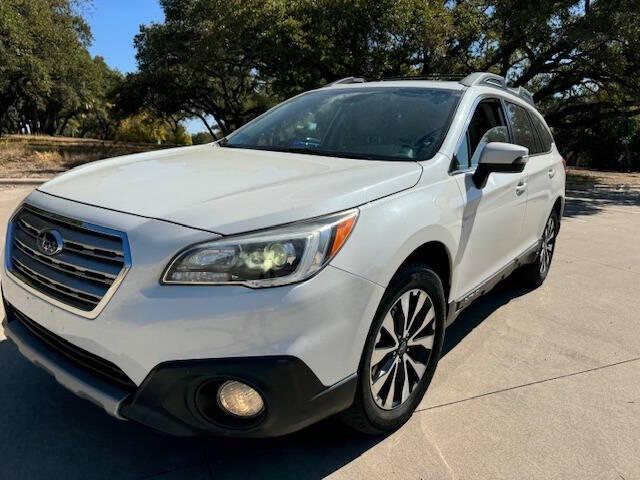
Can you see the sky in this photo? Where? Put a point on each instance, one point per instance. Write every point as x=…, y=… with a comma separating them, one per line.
x=113, y=24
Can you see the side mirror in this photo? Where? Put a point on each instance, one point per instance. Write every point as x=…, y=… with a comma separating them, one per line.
x=499, y=157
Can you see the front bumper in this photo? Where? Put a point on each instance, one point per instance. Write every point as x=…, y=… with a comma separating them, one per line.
x=294, y=397
x=66, y=372
x=166, y=399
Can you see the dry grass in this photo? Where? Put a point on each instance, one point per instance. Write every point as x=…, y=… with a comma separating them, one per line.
x=42, y=156
x=16, y=160
x=583, y=179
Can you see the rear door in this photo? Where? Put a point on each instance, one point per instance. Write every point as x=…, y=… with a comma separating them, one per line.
x=537, y=172
x=493, y=215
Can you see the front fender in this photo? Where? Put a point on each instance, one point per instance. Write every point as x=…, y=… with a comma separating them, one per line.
x=390, y=229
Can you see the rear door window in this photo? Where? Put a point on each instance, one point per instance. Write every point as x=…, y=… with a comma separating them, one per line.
x=523, y=133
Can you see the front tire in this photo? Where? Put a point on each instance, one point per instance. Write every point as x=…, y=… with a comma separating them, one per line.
x=401, y=352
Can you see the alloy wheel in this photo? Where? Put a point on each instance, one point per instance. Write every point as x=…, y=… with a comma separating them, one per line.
x=548, y=244
x=402, y=349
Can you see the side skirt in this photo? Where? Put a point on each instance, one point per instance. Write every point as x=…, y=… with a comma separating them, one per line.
x=456, y=307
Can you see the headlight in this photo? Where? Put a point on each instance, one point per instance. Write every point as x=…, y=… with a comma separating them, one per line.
x=277, y=256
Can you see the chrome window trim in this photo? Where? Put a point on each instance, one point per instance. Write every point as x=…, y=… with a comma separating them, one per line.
x=91, y=314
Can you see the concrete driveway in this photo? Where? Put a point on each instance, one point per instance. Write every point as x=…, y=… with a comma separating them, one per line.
x=534, y=384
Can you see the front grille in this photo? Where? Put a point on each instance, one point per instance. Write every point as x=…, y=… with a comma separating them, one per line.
x=82, y=273
x=81, y=358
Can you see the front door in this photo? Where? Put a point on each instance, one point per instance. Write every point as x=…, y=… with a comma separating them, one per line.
x=493, y=216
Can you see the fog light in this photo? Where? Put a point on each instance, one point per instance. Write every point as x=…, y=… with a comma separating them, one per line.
x=239, y=399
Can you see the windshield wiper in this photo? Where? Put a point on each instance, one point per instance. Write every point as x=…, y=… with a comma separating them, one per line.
x=325, y=153
x=308, y=150
x=311, y=151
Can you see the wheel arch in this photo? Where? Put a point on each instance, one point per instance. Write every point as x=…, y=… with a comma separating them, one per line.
x=558, y=207
x=436, y=255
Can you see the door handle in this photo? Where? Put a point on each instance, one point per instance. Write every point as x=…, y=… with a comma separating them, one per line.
x=521, y=187
x=551, y=172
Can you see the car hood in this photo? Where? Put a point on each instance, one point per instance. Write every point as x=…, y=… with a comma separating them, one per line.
x=229, y=190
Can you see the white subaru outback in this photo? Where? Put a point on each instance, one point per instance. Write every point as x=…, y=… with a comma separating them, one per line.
x=306, y=265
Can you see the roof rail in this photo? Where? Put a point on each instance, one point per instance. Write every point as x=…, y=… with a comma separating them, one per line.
x=346, y=81
x=481, y=78
x=524, y=94
x=473, y=79
x=493, y=80
x=433, y=76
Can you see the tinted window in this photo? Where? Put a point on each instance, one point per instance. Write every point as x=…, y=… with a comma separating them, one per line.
x=461, y=159
x=373, y=123
x=522, y=128
x=487, y=125
x=543, y=133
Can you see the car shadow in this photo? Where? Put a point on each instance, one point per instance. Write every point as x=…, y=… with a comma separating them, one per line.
x=47, y=432
x=509, y=289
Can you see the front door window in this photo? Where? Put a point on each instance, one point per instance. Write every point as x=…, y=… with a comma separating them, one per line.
x=488, y=124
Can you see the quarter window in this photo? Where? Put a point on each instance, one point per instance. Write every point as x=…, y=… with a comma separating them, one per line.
x=543, y=132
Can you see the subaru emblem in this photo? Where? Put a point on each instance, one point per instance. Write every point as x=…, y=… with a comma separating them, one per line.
x=50, y=242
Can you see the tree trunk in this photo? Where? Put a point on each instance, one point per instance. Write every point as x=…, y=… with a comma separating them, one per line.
x=206, y=124
x=64, y=125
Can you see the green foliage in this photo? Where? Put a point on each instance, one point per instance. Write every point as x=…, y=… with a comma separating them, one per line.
x=46, y=68
x=201, y=138
x=147, y=128
x=608, y=145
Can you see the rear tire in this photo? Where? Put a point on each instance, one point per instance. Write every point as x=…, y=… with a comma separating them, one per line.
x=534, y=274
x=400, y=357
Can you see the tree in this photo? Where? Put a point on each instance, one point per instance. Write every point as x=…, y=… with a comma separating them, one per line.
x=148, y=128
x=202, y=61
x=612, y=144
x=45, y=63
x=97, y=117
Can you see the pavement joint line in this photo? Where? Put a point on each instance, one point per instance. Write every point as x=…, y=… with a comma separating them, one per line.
x=537, y=382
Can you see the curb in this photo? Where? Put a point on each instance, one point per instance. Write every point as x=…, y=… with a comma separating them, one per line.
x=23, y=181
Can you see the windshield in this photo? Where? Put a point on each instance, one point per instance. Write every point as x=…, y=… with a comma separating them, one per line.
x=381, y=123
